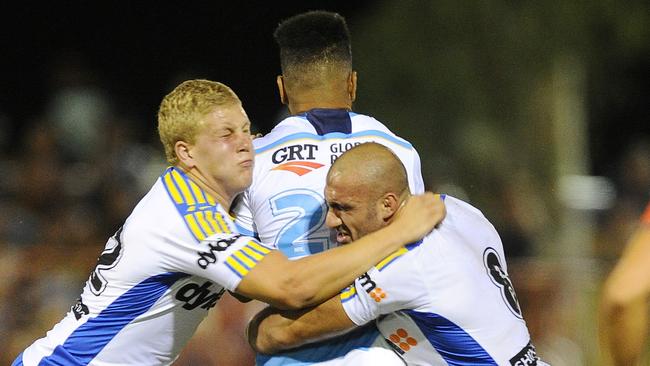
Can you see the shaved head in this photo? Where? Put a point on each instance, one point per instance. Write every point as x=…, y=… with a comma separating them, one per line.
x=371, y=167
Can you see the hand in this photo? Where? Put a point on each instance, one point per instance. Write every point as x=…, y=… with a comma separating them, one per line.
x=419, y=215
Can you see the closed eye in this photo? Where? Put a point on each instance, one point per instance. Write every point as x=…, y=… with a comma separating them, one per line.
x=339, y=207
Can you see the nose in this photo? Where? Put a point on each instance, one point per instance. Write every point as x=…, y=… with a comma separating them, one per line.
x=331, y=220
x=246, y=142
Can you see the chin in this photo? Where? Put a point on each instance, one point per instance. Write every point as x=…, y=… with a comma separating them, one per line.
x=246, y=180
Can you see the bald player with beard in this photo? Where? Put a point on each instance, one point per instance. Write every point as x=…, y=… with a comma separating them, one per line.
x=424, y=297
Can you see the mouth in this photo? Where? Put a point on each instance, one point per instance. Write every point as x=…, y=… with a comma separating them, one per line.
x=343, y=237
x=248, y=163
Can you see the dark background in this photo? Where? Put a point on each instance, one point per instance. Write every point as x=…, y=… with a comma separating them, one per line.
x=138, y=50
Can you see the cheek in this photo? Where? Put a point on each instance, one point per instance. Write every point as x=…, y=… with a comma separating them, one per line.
x=223, y=153
x=353, y=224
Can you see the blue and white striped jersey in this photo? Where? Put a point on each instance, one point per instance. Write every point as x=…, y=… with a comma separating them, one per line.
x=285, y=206
x=155, y=281
x=447, y=299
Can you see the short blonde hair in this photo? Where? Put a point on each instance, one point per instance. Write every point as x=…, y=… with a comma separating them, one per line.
x=182, y=111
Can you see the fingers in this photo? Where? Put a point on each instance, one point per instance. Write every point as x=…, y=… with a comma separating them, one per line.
x=426, y=208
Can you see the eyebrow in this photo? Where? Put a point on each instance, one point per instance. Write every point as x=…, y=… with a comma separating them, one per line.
x=231, y=126
x=338, y=206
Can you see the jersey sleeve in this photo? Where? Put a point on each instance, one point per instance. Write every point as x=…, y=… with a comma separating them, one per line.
x=225, y=258
x=389, y=286
x=244, y=215
x=416, y=174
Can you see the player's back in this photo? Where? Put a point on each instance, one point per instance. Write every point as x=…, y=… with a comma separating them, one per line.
x=460, y=302
x=285, y=206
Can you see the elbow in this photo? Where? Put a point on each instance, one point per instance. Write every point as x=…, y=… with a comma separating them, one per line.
x=293, y=300
x=296, y=294
x=275, y=341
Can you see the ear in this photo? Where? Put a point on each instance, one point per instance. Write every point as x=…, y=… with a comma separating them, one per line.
x=184, y=154
x=281, y=90
x=352, y=86
x=389, y=206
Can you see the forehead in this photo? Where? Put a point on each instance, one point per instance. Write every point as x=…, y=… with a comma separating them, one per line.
x=231, y=115
x=342, y=189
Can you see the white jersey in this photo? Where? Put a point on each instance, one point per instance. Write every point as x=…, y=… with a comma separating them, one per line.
x=447, y=299
x=171, y=261
x=285, y=206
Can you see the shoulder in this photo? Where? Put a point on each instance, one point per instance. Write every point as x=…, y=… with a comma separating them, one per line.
x=364, y=125
x=286, y=129
x=155, y=203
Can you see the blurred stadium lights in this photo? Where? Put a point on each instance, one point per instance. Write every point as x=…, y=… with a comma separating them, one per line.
x=585, y=192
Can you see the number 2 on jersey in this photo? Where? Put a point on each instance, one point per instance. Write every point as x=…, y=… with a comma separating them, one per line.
x=107, y=260
x=305, y=210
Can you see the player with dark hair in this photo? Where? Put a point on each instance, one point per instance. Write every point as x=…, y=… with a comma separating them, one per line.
x=444, y=300
x=179, y=250
x=624, y=305
x=285, y=206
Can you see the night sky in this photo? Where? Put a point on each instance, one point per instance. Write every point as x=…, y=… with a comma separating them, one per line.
x=139, y=50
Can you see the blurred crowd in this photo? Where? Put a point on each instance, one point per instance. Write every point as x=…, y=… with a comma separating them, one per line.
x=74, y=173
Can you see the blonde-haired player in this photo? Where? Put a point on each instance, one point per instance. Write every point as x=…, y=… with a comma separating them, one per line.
x=179, y=250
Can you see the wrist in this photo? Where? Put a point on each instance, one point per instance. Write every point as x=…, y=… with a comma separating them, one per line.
x=393, y=236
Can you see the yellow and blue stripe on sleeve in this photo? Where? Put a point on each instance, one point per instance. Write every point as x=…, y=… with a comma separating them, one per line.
x=199, y=210
x=245, y=259
x=348, y=293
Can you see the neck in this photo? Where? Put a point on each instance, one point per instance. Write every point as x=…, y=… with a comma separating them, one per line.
x=297, y=108
x=302, y=100
x=218, y=193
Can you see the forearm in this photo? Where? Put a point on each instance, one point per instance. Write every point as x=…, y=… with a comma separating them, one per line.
x=625, y=330
x=323, y=275
x=269, y=332
x=273, y=330
x=624, y=307
x=311, y=280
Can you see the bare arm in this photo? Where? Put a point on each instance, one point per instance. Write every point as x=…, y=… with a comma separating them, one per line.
x=314, y=279
x=624, y=307
x=273, y=330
